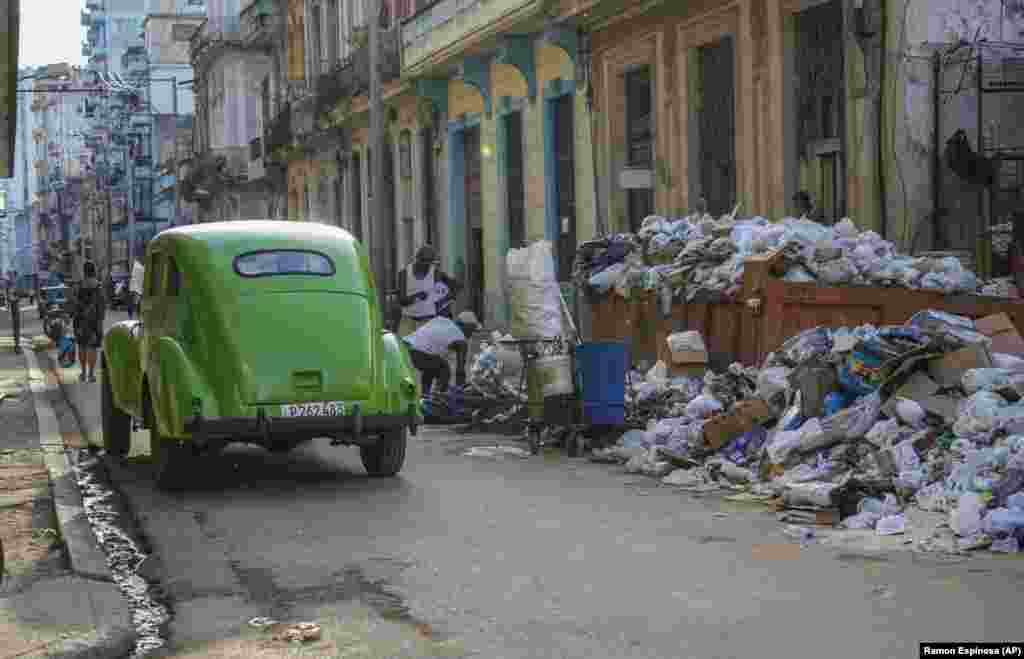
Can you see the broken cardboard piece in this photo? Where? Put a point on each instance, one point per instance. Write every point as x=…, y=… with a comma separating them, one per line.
x=757, y=270
x=690, y=357
x=818, y=517
x=720, y=430
x=1005, y=337
x=949, y=369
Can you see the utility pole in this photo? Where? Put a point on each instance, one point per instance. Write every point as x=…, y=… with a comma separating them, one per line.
x=174, y=152
x=381, y=225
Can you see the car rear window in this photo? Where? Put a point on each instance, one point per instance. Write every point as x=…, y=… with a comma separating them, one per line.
x=268, y=263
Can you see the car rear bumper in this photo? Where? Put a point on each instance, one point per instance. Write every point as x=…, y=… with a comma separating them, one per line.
x=351, y=428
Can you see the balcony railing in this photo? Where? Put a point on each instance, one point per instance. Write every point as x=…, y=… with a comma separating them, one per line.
x=351, y=77
x=446, y=23
x=214, y=30
x=258, y=23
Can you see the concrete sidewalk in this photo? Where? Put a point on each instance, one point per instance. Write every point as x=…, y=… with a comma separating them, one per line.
x=48, y=608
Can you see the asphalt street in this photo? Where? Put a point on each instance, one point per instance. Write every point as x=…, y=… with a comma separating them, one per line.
x=538, y=557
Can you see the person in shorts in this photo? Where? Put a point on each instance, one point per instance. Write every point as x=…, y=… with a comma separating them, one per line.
x=89, y=308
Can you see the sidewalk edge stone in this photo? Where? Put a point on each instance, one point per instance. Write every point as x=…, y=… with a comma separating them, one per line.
x=86, y=557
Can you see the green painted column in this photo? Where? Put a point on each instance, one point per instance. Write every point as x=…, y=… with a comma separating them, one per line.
x=533, y=135
x=586, y=203
x=495, y=229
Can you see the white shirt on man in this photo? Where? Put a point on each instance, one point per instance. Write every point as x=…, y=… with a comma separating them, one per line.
x=436, y=337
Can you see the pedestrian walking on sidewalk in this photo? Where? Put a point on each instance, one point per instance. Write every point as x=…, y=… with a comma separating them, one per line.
x=135, y=288
x=14, y=303
x=429, y=347
x=89, y=309
x=418, y=291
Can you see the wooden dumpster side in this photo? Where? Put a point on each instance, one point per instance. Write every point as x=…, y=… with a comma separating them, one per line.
x=790, y=308
x=729, y=331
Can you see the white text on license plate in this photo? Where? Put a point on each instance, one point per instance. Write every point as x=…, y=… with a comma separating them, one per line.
x=323, y=408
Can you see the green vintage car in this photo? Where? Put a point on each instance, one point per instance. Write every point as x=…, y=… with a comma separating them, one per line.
x=260, y=332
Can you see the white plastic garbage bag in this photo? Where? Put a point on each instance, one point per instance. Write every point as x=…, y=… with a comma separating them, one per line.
x=703, y=406
x=771, y=381
x=534, y=296
x=990, y=379
x=1011, y=363
x=910, y=412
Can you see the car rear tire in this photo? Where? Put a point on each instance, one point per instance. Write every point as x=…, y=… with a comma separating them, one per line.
x=386, y=457
x=169, y=455
x=117, y=426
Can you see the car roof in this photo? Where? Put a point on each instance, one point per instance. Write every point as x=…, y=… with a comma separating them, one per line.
x=217, y=244
x=249, y=233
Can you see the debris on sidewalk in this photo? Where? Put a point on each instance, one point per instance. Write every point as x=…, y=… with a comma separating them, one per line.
x=856, y=428
x=300, y=632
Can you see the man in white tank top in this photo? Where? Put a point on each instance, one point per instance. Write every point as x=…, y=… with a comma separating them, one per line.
x=429, y=347
x=418, y=291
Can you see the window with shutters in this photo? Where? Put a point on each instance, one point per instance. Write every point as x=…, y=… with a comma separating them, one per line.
x=639, y=121
x=315, y=41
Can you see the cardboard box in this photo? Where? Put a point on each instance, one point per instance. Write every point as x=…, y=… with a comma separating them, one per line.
x=696, y=370
x=1004, y=334
x=720, y=430
x=757, y=270
x=691, y=364
x=689, y=357
x=949, y=369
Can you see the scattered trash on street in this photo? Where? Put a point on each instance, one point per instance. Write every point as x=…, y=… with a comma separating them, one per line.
x=301, y=632
x=496, y=452
x=853, y=428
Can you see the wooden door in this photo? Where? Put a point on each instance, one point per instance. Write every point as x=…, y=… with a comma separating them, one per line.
x=718, y=125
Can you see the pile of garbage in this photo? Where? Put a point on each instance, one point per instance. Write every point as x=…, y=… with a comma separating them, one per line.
x=856, y=428
x=491, y=396
x=699, y=255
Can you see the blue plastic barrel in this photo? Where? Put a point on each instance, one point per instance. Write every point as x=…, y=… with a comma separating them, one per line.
x=601, y=369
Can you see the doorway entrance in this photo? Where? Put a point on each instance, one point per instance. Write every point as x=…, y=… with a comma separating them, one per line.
x=474, y=222
x=717, y=125
x=515, y=181
x=565, y=184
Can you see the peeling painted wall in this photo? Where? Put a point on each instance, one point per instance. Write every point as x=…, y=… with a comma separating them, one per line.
x=916, y=30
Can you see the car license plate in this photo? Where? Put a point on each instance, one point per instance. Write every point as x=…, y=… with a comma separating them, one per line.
x=322, y=408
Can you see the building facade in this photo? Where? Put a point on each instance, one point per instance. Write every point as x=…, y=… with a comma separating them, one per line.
x=231, y=68
x=511, y=121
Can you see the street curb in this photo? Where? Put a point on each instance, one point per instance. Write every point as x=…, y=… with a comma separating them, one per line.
x=86, y=557
x=109, y=644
